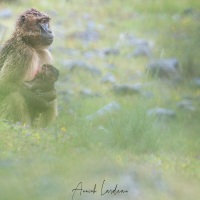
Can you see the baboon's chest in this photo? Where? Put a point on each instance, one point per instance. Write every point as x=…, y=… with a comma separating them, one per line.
x=38, y=60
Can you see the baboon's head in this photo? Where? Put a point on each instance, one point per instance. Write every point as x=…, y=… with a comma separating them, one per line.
x=33, y=27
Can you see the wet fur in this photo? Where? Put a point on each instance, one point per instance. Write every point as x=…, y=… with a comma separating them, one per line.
x=21, y=58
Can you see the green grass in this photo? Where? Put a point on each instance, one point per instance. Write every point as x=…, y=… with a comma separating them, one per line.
x=159, y=157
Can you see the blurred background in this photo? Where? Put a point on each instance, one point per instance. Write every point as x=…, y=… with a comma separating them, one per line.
x=128, y=96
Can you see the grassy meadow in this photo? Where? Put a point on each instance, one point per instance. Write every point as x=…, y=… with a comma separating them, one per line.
x=151, y=158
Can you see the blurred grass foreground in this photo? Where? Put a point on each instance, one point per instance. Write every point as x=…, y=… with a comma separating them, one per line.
x=129, y=97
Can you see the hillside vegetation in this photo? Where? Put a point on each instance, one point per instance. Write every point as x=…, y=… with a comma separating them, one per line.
x=122, y=119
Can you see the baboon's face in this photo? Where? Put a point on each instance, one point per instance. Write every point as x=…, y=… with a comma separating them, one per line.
x=51, y=73
x=34, y=28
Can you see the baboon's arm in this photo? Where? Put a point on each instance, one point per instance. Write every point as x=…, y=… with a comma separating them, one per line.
x=12, y=75
x=48, y=96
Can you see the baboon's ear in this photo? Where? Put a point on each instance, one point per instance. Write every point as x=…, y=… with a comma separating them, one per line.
x=22, y=19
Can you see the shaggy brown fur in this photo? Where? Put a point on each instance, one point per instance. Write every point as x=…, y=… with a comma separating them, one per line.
x=27, y=29
x=21, y=58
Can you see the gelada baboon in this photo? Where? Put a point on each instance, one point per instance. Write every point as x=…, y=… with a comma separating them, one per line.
x=21, y=58
x=43, y=83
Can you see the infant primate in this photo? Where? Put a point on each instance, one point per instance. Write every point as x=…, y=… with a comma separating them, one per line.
x=44, y=80
x=43, y=84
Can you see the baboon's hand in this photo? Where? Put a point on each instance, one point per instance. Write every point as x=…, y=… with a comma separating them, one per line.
x=48, y=96
x=34, y=100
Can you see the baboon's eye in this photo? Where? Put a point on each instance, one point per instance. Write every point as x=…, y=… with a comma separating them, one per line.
x=44, y=21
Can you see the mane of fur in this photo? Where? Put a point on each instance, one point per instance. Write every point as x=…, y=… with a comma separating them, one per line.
x=26, y=23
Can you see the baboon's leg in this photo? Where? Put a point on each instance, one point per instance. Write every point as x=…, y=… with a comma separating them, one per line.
x=47, y=116
x=14, y=108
